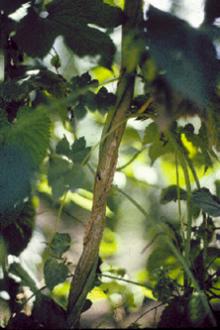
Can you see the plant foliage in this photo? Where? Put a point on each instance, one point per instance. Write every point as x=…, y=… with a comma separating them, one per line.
x=168, y=83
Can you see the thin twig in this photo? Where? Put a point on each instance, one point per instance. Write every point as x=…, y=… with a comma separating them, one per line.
x=145, y=313
x=120, y=168
x=124, y=280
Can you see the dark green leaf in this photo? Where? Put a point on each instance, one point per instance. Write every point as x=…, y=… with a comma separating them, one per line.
x=79, y=151
x=80, y=111
x=85, y=40
x=60, y=243
x=158, y=149
x=15, y=176
x=87, y=305
x=104, y=99
x=63, y=147
x=87, y=11
x=77, y=177
x=85, y=80
x=35, y=35
x=170, y=194
x=70, y=19
x=158, y=146
x=55, y=61
x=64, y=176
x=12, y=90
x=51, y=82
x=16, y=227
x=206, y=201
x=88, y=99
x=58, y=173
x=54, y=272
x=188, y=56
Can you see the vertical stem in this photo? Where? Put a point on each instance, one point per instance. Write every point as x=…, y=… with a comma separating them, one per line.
x=2, y=65
x=108, y=155
x=178, y=194
x=182, y=160
x=3, y=52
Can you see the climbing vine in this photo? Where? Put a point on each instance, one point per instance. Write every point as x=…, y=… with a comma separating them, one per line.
x=164, y=78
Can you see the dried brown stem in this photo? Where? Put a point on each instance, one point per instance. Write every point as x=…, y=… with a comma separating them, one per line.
x=108, y=156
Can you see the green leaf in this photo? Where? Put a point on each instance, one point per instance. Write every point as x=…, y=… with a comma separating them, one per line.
x=63, y=147
x=18, y=270
x=51, y=82
x=80, y=110
x=14, y=91
x=89, y=101
x=170, y=194
x=63, y=176
x=83, y=82
x=70, y=19
x=16, y=227
x=85, y=40
x=55, y=61
x=58, y=173
x=79, y=151
x=54, y=272
x=15, y=175
x=151, y=133
x=188, y=56
x=104, y=99
x=158, y=149
x=206, y=201
x=77, y=177
x=86, y=11
x=202, y=144
x=35, y=35
x=196, y=310
x=31, y=132
x=60, y=243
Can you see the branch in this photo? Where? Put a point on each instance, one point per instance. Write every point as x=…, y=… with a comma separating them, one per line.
x=108, y=155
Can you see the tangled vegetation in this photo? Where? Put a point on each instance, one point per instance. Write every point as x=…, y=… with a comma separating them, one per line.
x=155, y=95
